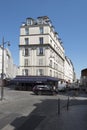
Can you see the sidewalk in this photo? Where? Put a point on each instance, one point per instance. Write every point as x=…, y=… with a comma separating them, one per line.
x=73, y=119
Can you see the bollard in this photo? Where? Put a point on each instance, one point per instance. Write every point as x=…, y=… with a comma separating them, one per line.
x=58, y=106
x=68, y=104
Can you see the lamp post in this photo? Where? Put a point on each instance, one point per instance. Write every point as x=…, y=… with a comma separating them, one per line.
x=2, y=75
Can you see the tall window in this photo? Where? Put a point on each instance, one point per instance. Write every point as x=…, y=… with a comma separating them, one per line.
x=41, y=40
x=54, y=65
x=26, y=62
x=26, y=41
x=50, y=63
x=26, y=72
x=26, y=51
x=41, y=51
x=22, y=71
x=50, y=72
x=40, y=72
x=41, y=30
x=26, y=31
x=40, y=62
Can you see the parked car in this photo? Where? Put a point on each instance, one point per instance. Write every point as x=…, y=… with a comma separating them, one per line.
x=74, y=86
x=43, y=89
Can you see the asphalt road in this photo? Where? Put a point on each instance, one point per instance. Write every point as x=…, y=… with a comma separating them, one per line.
x=22, y=110
x=19, y=106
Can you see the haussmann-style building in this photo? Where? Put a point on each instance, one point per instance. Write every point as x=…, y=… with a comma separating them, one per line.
x=41, y=53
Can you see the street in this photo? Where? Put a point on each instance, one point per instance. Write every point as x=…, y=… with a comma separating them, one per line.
x=19, y=105
x=23, y=110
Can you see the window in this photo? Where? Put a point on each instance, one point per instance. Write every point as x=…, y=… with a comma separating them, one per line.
x=25, y=62
x=50, y=41
x=22, y=71
x=26, y=31
x=54, y=46
x=51, y=53
x=50, y=63
x=40, y=21
x=41, y=51
x=50, y=72
x=40, y=62
x=26, y=41
x=41, y=40
x=54, y=65
x=29, y=21
x=54, y=73
x=22, y=52
x=26, y=52
x=26, y=72
x=40, y=72
x=41, y=30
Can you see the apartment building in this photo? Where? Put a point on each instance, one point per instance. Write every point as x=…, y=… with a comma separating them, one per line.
x=69, y=72
x=42, y=57
x=41, y=52
x=8, y=65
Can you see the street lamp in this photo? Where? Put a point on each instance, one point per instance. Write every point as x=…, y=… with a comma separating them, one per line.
x=2, y=74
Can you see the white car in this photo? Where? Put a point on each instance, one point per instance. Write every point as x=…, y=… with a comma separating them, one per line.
x=61, y=86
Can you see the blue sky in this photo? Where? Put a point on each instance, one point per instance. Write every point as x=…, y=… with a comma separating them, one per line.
x=69, y=18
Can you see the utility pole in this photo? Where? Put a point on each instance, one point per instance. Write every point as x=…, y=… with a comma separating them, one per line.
x=2, y=74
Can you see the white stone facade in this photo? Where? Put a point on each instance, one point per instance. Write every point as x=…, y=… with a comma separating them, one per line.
x=41, y=51
x=9, y=71
x=69, y=74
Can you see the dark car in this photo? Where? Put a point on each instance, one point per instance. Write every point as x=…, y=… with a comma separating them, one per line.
x=43, y=89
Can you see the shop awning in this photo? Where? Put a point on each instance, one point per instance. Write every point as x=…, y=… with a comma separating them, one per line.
x=31, y=79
